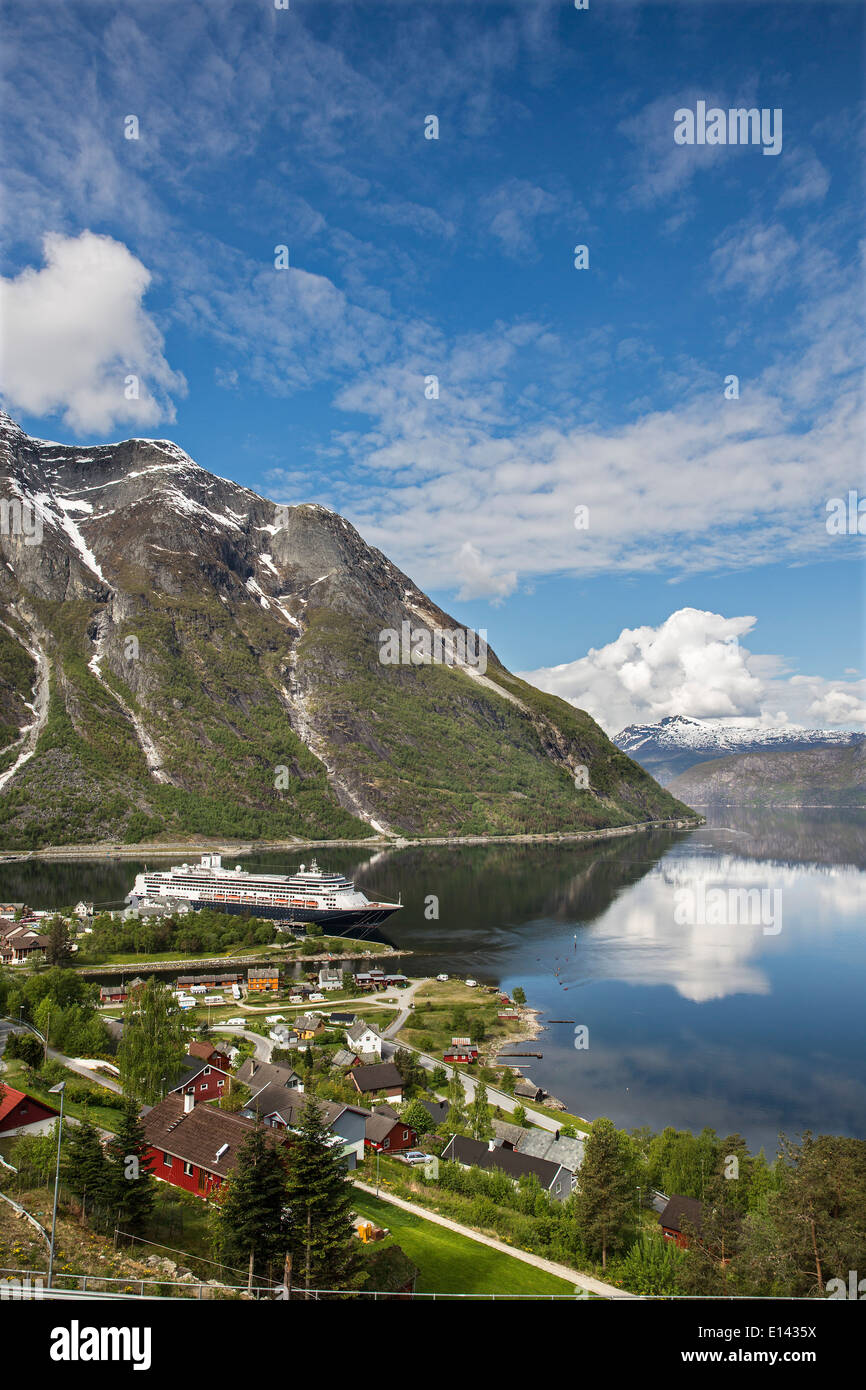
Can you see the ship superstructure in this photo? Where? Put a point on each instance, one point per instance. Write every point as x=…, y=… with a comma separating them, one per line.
x=310, y=895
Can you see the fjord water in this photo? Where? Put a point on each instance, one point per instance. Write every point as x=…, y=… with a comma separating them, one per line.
x=725, y=1025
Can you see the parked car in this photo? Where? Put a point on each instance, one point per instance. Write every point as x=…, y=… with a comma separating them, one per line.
x=443, y=978
x=414, y=1156
x=473, y=984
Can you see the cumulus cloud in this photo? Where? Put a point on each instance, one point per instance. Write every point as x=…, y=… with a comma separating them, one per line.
x=694, y=664
x=76, y=330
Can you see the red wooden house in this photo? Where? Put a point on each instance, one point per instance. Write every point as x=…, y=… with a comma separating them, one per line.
x=201, y=1078
x=18, y=1110
x=195, y=1147
x=461, y=1050
x=681, y=1220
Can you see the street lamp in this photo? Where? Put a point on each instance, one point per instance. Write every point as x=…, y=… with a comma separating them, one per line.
x=58, y=1089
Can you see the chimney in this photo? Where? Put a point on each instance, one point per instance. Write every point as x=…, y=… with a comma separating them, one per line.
x=188, y=1102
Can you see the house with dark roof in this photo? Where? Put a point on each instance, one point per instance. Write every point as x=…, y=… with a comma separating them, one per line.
x=256, y=1075
x=387, y=1133
x=680, y=1220
x=201, y=1079
x=194, y=1146
x=508, y=1135
x=437, y=1110
x=472, y=1153
x=381, y=1079
x=541, y=1143
x=283, y=1109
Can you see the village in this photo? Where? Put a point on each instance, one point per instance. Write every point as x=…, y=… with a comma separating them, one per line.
x=154, y=1106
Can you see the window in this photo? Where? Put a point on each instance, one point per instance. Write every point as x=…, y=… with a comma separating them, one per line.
x=220, y=1083
x=203, y=1086
x=190, y=1090
x=405, y=1134
x=207, y=1071
x=187, y=1170
x=166, y=1158
x=386, y=1144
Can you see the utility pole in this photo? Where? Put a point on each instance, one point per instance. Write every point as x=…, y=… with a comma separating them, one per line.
x=59, y=1088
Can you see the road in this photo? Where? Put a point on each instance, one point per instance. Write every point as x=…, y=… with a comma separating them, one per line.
x=583, y=1281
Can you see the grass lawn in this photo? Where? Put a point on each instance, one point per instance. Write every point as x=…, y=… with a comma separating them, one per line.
x=451, y=1263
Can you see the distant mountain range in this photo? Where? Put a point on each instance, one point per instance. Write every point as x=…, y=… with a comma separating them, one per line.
x=675, y=744
x=179, y=656
x=806, y=777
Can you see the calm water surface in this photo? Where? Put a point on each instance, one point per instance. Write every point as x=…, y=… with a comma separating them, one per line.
x=690, y=1025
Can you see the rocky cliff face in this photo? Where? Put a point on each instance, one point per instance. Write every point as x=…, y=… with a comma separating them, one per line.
x=179, y=655
x=808, y=778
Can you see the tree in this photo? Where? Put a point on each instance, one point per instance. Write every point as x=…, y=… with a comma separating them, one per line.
x=410, y=1069
x=153, y=1043
x=58, y=950
x=438, y=1078
x=456, y=1095
x=815, y=1227
x=320, y=1196
x=132, y=1182
x=252, y=1224
x=26, y=1047
x=606, y=1196
x=85, y=1167
x=519, y=1115
x=518, y=994
x=480, y=1117
x=416, y=1117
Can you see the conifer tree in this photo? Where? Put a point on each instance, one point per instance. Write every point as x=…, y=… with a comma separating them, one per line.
x=321, y=1241
x=85, y=1168
x=252, y=1220
x=132, y=1182
x=606, y=1197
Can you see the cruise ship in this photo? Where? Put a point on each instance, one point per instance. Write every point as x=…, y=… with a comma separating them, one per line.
x=310, y=895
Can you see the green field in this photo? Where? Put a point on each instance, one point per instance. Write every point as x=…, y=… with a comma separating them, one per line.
x=453, y=1264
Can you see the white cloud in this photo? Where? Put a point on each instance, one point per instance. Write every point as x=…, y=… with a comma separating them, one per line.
x=76, y=329
x=694, y=664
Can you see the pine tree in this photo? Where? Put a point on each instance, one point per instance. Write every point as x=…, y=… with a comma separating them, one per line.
x=324, y=1254
x=606, y=1198
x=252, y=1220
x=58, y=950
x=85, y=1168
x=132, y=1183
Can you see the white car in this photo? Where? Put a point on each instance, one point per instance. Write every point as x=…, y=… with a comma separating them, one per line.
x=443, y=978
x=317, y=998
x=473, y=984
x=414, y=1156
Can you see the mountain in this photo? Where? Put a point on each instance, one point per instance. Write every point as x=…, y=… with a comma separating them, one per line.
x=179, y=656
x=808, y=777
x=675, y=744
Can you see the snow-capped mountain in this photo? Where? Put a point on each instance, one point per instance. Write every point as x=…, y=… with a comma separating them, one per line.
x=179, y=655
x=676, y=743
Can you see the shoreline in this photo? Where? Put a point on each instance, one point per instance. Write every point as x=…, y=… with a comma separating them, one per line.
x=109, y=850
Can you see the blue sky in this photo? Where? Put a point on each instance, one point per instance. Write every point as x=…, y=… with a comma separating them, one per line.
x=706, y=582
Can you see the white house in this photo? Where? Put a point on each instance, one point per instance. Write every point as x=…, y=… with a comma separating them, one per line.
x=363, y=1039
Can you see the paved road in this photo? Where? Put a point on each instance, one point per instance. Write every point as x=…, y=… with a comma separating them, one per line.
x=583, y=1281
x=263, y=1046
x=496, y=1097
